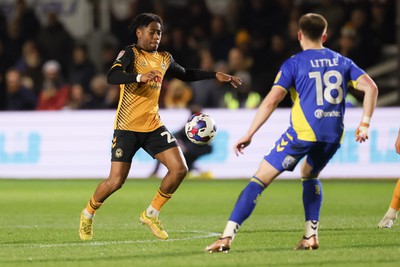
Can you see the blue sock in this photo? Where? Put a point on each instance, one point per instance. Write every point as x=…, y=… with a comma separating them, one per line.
x=312, y=198
x=247, y=200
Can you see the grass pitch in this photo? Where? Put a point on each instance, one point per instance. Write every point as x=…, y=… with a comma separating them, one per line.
x=39, y=225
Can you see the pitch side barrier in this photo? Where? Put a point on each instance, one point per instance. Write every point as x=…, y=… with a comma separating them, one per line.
x=77, y=144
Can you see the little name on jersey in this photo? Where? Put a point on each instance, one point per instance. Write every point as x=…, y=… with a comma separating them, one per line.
x=324, y=62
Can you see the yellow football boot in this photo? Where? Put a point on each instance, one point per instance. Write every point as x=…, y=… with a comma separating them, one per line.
x=155, y=226
x=85, y=228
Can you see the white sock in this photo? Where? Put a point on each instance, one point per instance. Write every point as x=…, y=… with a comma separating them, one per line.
x=392, y=213
x=152, y=212
x=231, y=229
x=311, y=228
x=87, y=215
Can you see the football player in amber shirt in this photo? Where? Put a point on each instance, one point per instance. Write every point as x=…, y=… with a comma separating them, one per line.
x=394, y=207
x=139, y=70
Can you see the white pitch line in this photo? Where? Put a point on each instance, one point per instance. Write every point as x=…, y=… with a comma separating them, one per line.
x=202, y=234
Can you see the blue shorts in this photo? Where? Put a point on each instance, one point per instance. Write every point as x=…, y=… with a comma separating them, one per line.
x=288, y=151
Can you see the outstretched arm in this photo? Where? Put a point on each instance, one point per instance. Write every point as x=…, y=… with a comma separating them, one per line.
x=397, y=144
x=189, y=75
x=368, y=86
x=269, y=104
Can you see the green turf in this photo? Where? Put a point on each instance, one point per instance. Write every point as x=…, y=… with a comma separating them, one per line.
x=39, y=221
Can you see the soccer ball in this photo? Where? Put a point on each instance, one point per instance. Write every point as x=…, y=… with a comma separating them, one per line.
x=200, y=128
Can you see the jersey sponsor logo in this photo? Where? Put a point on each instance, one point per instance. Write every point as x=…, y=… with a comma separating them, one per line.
x=319, y=114
x=288, y=162
x=163, y=66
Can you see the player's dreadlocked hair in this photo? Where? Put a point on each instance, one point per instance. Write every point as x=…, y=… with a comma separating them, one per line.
x=143, y=20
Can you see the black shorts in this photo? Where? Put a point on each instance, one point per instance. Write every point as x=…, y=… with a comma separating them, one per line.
x=125, y=144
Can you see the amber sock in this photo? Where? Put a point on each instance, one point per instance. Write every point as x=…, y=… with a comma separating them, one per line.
x=156, y=204
x=395, y=203
x=91, y=207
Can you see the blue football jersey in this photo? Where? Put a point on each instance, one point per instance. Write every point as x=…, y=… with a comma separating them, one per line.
x=317, y=81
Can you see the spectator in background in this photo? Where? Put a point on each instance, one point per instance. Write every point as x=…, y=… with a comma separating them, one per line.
x=180, y=49
x=334, y=12
x=382, y=17
x=112, y=97
x=54, y=93
x=347, y=43
x=81, y=69
x=243, y=97
x=26, y=20
x=22, y=25
x=2, y=76
x=13, y=43
x=255, y=15
x=277, y=55
x=197, y=19
x=221, y=39
x=3, y=26
x=121, y=13
x=30, y=66
x=55, y=42
x=266, y=64
x=18, y=97
x=291, y=31
x=207, y=93
x=107, y=56
x=178, y=94
x=77, y=98
x=98, y=93
x=367, y=42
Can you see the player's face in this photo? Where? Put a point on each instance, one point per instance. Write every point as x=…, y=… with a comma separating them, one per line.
x=149, y=37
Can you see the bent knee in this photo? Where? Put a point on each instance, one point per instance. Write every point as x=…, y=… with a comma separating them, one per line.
x=115, y=183
x=180, y=171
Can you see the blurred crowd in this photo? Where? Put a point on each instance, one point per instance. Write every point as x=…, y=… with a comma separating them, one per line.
x=43, y=67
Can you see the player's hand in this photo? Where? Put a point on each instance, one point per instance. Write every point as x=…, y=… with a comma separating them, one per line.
x=223, y=77
x=241, y=144
x=362, y=132
x=155, y=75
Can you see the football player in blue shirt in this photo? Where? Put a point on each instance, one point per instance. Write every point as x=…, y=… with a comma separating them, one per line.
x=317, y=80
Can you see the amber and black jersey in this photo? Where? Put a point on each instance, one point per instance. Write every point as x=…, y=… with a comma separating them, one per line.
x=138, y=104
